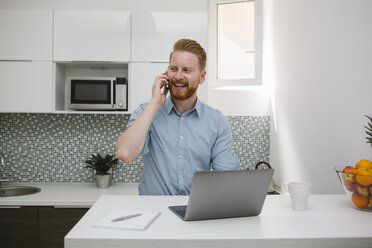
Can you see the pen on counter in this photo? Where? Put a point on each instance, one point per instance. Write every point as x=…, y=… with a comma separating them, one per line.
x=126, y=217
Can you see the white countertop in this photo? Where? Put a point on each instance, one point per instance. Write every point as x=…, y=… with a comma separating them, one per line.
x=66, y=194
x=330, y=221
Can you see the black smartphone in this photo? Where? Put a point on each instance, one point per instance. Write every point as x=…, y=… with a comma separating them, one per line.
x=167, y=84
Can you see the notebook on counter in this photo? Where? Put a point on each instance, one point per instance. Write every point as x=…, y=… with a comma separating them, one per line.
x=128, y=219
x=225, y=194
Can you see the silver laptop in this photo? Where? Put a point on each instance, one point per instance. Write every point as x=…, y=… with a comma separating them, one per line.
x=225, y=194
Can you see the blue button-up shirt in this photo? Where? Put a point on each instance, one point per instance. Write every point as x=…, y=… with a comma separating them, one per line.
x=177, y=145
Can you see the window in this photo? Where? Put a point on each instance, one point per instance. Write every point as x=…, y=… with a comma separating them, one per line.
x=235, y=42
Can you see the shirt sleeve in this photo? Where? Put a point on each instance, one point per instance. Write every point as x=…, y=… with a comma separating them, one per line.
x=132, y=118
x=222, y=156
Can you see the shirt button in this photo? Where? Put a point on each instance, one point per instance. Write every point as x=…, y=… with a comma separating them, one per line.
x=180, y=156
x=182, y=118
x=181, y=137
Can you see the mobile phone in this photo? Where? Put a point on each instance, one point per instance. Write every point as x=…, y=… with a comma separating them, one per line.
x=166, y=85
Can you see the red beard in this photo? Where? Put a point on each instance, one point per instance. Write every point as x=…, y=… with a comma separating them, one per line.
x=183, y=91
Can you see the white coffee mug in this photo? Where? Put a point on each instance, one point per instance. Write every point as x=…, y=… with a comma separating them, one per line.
x=299, y=193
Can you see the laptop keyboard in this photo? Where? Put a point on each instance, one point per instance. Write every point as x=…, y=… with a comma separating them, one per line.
x=181, y=210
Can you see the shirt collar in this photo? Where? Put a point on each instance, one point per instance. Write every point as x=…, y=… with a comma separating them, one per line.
x=198, y=107
x=169, y=106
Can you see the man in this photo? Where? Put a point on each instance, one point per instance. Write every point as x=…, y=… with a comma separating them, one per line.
x=177, y=135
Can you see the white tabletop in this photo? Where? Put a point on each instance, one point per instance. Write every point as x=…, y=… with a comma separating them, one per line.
x=330, y=221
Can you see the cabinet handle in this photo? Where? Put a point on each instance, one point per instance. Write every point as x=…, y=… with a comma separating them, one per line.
x=15, y=60
x=75, y=206
x=10, y=206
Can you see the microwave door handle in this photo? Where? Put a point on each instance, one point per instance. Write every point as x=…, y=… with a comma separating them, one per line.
x=113, y=93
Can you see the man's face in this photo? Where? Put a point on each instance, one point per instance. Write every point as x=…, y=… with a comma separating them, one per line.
x=184, y=75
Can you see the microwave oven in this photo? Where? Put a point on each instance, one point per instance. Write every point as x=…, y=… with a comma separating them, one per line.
x=97, y=93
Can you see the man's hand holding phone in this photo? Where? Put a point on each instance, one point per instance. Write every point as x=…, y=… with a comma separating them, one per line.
x=161, y=81
x=131, y=142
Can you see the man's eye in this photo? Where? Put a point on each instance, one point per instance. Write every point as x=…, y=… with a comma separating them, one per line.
x=173, y=69
x=188, y=70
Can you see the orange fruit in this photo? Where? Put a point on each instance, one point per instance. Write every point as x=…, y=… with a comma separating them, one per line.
x=363, y=163
x=359, y=201
x=364, y=176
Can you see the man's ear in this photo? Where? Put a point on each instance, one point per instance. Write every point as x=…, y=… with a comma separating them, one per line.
x=202, y=76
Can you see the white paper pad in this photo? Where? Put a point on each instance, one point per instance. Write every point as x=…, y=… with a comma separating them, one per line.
x=137, y=223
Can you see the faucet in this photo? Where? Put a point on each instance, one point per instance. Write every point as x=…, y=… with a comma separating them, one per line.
x=2, y=163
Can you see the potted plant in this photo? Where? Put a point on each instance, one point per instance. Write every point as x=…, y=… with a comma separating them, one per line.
x=103, y=166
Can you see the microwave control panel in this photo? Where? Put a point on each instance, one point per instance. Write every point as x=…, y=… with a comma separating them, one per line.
x=121, y=95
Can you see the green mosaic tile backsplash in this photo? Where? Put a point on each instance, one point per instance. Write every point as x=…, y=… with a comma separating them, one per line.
x=53, y=147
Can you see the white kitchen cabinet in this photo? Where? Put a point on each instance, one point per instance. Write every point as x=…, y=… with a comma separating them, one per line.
x=26, y=34
x=92, y=35
x=155, y=30
x=142, y=77
x=26, y=86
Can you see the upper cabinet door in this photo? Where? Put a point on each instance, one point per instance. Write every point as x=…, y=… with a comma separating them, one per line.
x=26, y=34
x=155, y=32
x=142, y=76
x=92, y=35
x=26, y=86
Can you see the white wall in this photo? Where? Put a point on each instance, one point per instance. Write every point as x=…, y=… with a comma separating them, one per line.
x=319, y=65
x=240, y=102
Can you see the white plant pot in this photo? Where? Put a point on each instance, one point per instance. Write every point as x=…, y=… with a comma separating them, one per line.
x=103, y=181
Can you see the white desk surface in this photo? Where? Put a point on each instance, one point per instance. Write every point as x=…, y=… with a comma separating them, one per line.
x=330, y=221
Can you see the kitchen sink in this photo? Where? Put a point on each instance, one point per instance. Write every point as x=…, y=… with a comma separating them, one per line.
x=18, y=191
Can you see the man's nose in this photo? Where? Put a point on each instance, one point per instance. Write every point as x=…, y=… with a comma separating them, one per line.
x=179, y=74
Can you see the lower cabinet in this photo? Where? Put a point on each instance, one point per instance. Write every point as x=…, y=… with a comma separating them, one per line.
x=55, y=223
x=19, y=227
x=37, y=226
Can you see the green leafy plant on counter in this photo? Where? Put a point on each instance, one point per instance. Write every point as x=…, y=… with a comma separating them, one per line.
x=369, y=130
x=101, y=164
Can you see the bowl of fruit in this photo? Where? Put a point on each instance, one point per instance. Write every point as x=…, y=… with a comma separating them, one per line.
x=357, y=183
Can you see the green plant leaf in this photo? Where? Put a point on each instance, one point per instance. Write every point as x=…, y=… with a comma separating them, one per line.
x=101, y=164
x=369, y=133
x=369, y=130
x=369, y=126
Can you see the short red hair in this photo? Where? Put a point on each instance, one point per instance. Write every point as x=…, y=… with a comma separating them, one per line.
x=187, y=45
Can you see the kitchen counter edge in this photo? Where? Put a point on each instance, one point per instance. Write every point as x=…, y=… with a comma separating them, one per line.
x=65, y=195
